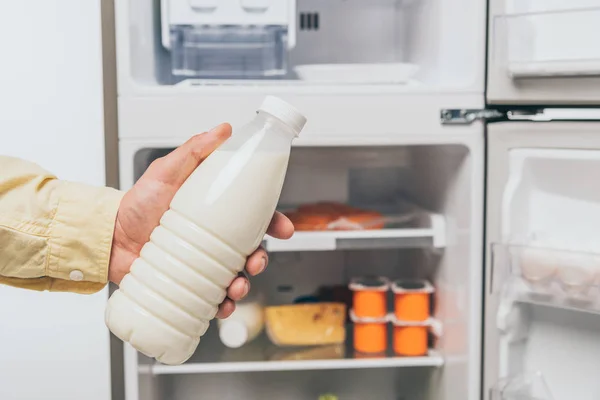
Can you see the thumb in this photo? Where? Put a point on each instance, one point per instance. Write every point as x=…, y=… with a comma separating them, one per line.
x=177, y=166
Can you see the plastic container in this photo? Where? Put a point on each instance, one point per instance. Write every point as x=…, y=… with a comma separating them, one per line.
x=409, y=338
x=369, y=296
x=164, y=305
x=232, y=52
x=370, y=334
x=244, y=324
x=412, y=299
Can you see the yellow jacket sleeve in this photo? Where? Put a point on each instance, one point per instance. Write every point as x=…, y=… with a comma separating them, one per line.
x=54, y=235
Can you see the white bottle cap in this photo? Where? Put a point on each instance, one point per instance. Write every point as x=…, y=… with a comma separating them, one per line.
x=233, y=334
x=285, y=112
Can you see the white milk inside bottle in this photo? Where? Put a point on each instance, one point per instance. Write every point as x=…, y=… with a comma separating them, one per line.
x=218, y=217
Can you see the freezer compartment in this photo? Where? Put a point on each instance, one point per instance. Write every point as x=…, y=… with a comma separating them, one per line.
x=337, y=42
x=228, y=51
x=547, y=42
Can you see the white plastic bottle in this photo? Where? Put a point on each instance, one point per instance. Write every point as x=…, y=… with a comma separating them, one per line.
x=245, y=324
x=217, y=218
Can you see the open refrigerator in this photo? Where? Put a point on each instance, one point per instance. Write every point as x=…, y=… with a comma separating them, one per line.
x=469, y=126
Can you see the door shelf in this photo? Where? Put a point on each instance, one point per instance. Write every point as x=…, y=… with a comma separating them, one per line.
x=423, y=229
x=547, y=276
x=556, y=301
x=548, y=43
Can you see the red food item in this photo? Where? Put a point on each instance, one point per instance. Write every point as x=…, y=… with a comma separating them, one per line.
x=310, y=222
x=319, y=216
x=368, y=219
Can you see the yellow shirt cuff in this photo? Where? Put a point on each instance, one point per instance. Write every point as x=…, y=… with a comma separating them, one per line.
x=81, y=237
x=72, y=246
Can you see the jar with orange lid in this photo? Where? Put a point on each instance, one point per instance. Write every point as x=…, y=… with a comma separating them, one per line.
x=412, y=299
x=410, y=338
x=370, y=334
x=369, y=296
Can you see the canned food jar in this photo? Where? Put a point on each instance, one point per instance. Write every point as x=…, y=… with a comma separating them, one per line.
x=370, y=334
x=409, y=338
x=412, y=299
x=369, y=296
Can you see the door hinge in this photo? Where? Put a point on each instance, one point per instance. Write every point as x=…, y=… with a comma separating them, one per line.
x=468, y=116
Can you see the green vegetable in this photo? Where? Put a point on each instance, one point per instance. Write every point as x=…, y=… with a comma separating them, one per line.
x=328, y=397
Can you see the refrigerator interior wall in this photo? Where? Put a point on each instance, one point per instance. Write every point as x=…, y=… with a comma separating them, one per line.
x=544, y=209
x=420, y=32
x=543, y=52
x=441, y=178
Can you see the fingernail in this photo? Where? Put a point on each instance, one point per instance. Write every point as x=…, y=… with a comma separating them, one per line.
x=246, y=289
x=263, y=264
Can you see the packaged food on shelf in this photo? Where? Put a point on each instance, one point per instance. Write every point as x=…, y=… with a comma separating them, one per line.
x=410, y=338
x=306, y=324
x=244, y=324
x=412, y=299
x=336, y=294
x=325, y=215
x=369, y=296
x=370, y=334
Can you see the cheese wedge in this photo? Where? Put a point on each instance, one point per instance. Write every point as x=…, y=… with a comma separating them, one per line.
x=306, y=324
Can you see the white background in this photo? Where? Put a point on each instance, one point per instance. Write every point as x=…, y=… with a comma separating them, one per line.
x=53, y=346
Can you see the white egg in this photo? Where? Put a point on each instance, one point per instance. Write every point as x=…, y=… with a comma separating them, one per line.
x=538, y=265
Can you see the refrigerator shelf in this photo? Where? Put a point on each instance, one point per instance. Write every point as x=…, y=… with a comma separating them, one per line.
x=262, y=355
x=433, y=359
x=423, y=229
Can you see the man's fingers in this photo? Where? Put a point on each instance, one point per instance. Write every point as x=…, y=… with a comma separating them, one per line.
x=226, y=308
x=177, y=166
x=280, y=227
x=257, y=262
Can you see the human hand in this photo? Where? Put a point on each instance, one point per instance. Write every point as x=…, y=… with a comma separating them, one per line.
x=144, y=204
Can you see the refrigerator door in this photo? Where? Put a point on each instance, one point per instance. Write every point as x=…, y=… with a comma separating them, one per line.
x=542, y=301
x=543, y=52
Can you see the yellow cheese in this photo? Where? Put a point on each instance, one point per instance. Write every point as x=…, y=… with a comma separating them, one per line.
x=329, y=352
x=306, y=324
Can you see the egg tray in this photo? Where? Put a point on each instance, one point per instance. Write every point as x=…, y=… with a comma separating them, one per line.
x=550, y=274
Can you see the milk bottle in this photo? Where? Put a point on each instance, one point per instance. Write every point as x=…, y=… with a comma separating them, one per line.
x=218, y=217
